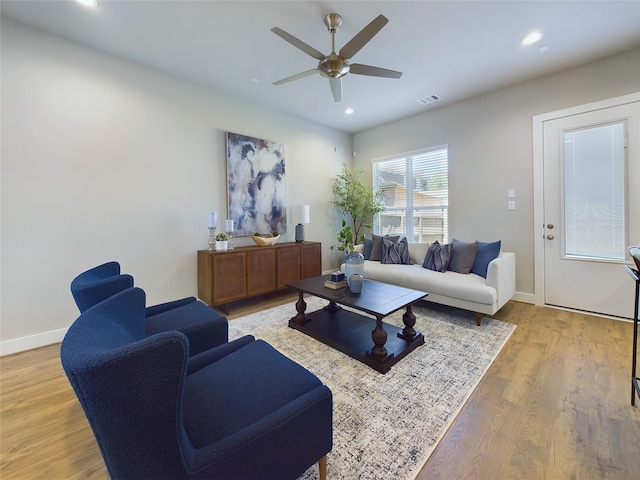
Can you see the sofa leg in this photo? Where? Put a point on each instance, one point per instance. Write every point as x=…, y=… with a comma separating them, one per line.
x=322, y=466
x=478, y=318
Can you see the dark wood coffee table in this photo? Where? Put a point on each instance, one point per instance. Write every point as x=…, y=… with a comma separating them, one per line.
x=350, y=332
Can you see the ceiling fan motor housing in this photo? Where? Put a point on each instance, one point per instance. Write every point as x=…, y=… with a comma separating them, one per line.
x=333, y=66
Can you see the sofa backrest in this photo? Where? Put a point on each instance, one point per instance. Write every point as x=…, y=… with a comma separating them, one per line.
x=417, y=252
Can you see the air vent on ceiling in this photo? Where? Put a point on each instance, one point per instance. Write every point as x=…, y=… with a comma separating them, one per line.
x=429, y=99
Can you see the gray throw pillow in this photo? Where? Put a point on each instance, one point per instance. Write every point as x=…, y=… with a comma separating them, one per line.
x=376, y=249
x=437, y=257
x=395, y=253
x=462, y=256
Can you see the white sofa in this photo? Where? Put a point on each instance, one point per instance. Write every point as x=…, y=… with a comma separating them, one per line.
x=467, y=291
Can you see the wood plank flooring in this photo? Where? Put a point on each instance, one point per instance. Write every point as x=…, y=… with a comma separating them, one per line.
x=554, y=405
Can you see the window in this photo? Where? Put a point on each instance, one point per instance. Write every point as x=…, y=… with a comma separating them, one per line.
x=415, y=189
x=594, y=192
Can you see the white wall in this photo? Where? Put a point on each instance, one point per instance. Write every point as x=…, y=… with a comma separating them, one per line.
x=490, y=150
x=107, y=160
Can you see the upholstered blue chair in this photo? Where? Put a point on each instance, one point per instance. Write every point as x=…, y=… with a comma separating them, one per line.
x=203, y=326
x=238, y=411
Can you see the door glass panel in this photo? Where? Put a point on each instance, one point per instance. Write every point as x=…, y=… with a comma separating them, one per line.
x=594, y=192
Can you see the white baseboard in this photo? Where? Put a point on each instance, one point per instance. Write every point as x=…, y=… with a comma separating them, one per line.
x=32, y=341
x=524, y=297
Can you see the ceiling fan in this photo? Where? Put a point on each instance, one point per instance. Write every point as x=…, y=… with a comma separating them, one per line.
x=335, y=66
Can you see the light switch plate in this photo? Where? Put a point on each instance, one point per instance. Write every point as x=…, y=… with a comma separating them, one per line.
x=511, y=204
x=511, y=193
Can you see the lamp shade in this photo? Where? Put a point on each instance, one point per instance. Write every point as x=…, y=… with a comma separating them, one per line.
x=299, y=214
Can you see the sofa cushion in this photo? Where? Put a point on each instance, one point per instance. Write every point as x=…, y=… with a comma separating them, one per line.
x=462, y=256
x=468, y=288
x=486, y=253
x=376, y=249
x=437, y=257
x=280, y=380
x=395, y=253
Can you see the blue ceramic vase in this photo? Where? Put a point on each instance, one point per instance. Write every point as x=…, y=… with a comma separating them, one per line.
x=356, y=281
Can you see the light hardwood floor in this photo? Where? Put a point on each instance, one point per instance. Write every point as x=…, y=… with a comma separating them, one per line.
x=554, y=405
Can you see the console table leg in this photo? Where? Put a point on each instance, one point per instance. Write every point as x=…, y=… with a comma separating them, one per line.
x=379, y=336
x=301, y=306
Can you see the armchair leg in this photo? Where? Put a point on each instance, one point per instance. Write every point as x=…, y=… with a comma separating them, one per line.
x=478, y=318
x=322, y=466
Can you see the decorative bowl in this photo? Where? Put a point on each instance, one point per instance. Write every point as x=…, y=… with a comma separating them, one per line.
x=265, y=241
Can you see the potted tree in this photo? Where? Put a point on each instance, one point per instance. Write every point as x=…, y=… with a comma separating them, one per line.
x=358, y=203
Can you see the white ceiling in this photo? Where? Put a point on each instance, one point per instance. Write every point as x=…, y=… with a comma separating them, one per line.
x=454, y=49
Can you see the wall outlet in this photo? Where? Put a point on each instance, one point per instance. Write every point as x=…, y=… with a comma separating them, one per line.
x=511, y=204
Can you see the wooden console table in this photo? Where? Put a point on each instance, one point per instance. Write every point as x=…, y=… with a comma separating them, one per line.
x=244, y=272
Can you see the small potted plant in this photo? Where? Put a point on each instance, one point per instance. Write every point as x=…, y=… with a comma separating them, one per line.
x=222, y=240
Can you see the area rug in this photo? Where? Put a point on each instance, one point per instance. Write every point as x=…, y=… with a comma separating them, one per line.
x=386, y=425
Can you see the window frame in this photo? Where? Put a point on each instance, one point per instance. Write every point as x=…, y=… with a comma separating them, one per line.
x=410, y=179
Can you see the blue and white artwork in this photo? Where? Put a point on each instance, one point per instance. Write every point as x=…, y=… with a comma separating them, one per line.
x=256, y=185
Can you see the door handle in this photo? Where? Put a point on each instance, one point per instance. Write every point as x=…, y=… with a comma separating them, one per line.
x=550, y=237
x=550, y=226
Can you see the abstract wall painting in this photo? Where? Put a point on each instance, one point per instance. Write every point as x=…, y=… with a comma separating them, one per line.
x=256, y=185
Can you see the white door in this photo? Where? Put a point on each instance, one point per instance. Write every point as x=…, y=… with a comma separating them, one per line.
x=591, y=208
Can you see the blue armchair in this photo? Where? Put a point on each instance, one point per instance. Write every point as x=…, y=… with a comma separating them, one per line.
x=238, y=411
x=204, y=327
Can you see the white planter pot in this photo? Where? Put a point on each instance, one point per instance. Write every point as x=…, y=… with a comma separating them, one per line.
x=220, y=246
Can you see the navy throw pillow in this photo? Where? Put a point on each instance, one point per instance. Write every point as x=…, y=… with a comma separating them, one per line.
x=486, y=253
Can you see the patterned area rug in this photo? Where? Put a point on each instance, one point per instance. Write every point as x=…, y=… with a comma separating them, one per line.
x=386, y=426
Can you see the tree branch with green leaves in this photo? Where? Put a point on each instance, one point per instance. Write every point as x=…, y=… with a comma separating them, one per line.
x=358, y=202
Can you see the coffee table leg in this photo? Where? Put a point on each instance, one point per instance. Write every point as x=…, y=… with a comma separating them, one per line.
x=301, y=306
x=332, y=307
x=379, y=337
x=409, y=320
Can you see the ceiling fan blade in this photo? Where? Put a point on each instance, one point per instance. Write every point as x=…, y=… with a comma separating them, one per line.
x=297, y=76
x=309, y=50
x=336, y=88
x=360, y=40
x=360, y=69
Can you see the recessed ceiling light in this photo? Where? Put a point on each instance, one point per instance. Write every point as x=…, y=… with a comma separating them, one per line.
x=88, y=3
x=532, y=38
x=255, y=80
x=349, y=111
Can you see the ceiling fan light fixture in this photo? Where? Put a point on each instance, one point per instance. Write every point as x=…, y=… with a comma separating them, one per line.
x=333, y=67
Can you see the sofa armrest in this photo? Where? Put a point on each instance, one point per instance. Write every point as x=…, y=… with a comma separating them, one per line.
x=212, y=355
x=501, y=275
